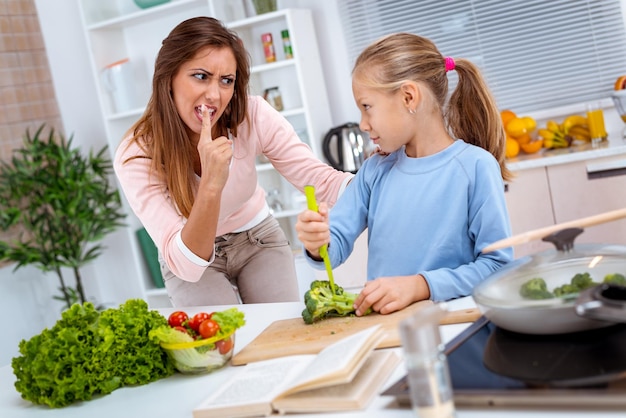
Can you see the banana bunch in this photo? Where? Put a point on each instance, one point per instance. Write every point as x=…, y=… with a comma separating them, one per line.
x=554, y=136
x=577, y=128
x=561, y=135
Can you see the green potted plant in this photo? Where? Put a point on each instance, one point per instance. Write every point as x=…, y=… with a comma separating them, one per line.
x=58, y=204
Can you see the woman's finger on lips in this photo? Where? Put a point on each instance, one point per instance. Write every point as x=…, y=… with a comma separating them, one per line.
x=206, y=122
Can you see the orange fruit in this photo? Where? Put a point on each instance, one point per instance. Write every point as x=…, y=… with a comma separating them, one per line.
x=532, y=146
x=512, y=148
x=507, y=115
x=516, y=127
x=524, y=139
x=620, y=84
x=530, y=123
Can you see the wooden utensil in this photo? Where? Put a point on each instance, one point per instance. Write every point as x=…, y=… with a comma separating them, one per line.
x=292, y=336
x=543, y=232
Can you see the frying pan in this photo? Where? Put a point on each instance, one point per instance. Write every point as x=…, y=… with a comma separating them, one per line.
x=499, y=298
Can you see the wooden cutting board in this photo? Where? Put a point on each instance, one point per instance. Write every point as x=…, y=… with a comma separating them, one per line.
x=292, y=336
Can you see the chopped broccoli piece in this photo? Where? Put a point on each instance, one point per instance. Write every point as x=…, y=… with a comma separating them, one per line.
x=615, y=278
x=322, y=303
x=535, y=289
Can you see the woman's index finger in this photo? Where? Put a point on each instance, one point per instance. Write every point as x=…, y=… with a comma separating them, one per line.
x=206, y=122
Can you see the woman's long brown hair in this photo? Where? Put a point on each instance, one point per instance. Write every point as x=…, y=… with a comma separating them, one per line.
x=160, y=132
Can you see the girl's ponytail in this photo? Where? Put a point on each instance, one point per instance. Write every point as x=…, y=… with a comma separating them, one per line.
x=473, y=116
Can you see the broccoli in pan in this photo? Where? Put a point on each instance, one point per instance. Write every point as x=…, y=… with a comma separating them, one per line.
x=536, y=288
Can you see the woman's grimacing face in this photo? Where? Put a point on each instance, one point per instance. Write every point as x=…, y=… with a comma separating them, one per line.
x=209, y=79
x=383, y=116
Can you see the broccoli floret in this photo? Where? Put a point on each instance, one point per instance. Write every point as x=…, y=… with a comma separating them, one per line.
x=615, y=278
x=577, y=284
x=566, y=289
x=535, y=289
x=306, y=315
x=583, y=281
x=322, y=303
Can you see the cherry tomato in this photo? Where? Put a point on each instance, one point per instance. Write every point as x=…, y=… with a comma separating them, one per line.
x=224, y=345
x=208, y=328
x=177, y=319
x=197, y=319
x=180, y=328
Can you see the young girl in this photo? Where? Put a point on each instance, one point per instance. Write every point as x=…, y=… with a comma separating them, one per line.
x=434, y=196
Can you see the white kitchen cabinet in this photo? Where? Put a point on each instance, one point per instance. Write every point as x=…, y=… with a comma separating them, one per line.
x=545, y=196
x=530, y=206
x=589, y=188
x=119, y=30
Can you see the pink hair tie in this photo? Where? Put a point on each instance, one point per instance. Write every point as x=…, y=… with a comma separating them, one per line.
x=449, y=64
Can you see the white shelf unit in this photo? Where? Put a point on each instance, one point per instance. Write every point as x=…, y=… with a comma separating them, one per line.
x=120, y=30
x=301, y=83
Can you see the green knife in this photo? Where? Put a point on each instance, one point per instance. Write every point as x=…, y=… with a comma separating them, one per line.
x=309, y=192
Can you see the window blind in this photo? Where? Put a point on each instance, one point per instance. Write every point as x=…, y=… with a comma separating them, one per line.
x=535, y=54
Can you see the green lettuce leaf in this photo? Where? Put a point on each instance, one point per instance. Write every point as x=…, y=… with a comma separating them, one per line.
x=88, y=353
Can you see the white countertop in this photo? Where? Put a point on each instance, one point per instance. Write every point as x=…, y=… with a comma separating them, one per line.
x=176, y=396
x=572, y=154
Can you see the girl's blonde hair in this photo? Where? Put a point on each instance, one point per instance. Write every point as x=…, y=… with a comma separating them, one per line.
x=471, y=113
x=160, y=132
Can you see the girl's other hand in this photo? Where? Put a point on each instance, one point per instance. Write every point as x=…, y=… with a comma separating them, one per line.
x=389, y=294
x=313, y=229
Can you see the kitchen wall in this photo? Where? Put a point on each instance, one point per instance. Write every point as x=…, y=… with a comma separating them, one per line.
x=27, y=99
x=26, y=92
x=53, y=30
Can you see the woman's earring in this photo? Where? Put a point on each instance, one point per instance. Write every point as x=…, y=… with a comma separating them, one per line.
x=412, y=111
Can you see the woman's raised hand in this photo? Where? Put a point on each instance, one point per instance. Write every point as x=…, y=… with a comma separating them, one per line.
x=215, y=154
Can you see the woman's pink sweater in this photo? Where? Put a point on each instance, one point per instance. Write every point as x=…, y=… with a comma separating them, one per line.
x=243, y=199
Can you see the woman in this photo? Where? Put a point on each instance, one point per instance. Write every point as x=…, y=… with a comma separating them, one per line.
x=187, y=168
x=434, y=197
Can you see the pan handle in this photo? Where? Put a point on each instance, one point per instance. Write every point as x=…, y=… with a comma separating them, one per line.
x=542, y=232
x=606, y=302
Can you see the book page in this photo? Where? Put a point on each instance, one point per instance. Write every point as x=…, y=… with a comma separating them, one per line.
x=256, y=385
x=252, y=391
x=339, y=362
x=354, y=395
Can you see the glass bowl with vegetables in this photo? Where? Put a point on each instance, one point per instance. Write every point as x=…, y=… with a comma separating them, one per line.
x=201, y=343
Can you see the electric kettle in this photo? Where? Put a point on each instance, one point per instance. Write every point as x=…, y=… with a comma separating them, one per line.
x=346, y=147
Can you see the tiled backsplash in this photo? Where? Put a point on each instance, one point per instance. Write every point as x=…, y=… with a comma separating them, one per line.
x=27, y=97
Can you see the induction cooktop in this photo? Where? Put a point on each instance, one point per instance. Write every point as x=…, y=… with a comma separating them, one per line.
x=490, y=366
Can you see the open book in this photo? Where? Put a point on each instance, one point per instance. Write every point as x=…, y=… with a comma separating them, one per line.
x=344, y=376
